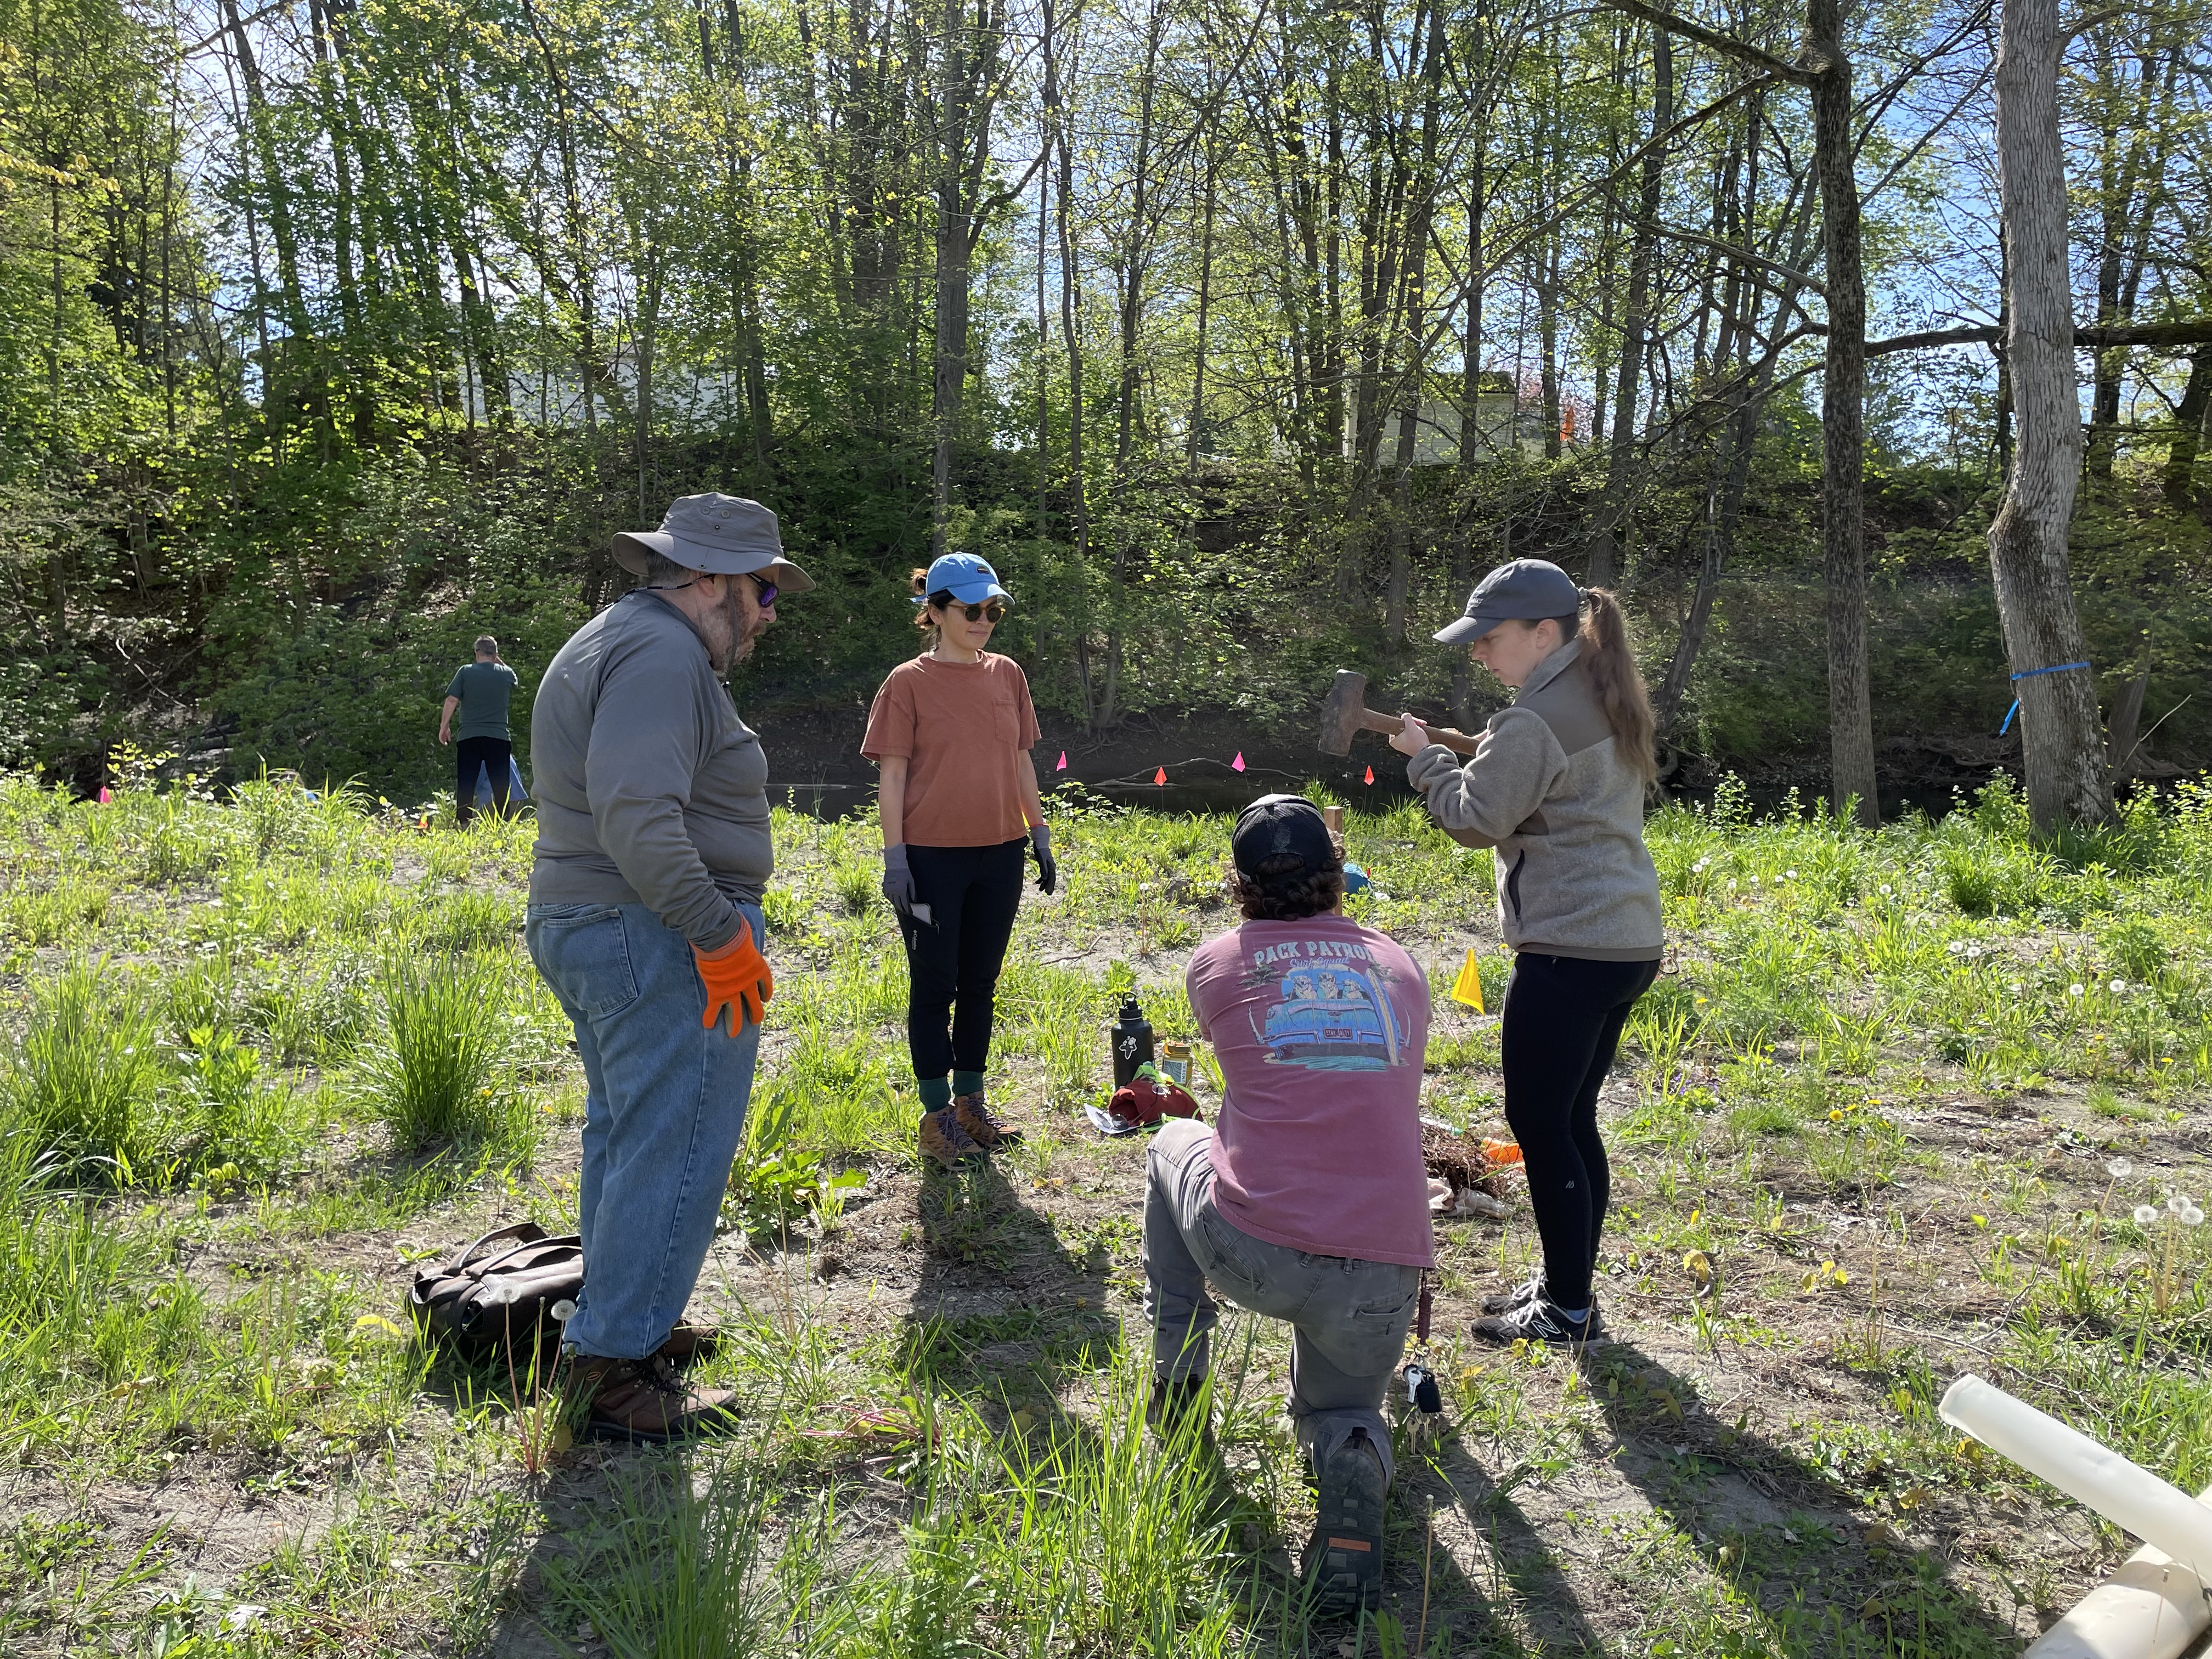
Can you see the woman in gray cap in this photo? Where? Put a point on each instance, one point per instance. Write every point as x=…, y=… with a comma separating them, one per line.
x=1556, y=788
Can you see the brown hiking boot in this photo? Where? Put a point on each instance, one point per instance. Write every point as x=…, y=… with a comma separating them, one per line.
x=943, y=1138
x=689, y=1342
x=983, y=1128
x=644, y=1400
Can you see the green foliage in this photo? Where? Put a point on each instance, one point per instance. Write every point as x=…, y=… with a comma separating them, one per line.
x=435, y=1067
x=90, y=1091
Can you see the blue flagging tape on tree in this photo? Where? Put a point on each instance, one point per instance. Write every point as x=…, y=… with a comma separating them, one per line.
x=2029, y=674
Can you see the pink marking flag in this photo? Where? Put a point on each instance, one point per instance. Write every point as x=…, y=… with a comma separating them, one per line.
x=1062, y=767
x=1160, y=776
x=1371, y=775
x=104, y=796
x=1237, y=765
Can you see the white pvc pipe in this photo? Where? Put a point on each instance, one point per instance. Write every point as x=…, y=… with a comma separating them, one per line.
x=2152, y=1608
x=2130, y=1497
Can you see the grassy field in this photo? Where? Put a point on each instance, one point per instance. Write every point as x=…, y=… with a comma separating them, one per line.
x=1905, y=1104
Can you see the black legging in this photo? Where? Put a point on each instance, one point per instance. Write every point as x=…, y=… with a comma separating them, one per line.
x=953, y=958
x=1562, y=1022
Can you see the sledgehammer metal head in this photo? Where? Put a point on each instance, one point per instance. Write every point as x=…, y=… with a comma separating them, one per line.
x=1345, y=714
x=1340, y=714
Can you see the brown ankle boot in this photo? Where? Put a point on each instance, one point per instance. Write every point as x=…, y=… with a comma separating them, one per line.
x=943, y=1138
x=644, y=1400
x=982, y=1126
x=689, y=1342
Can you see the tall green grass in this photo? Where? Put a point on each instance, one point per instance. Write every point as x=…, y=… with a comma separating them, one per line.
x=436, y=1065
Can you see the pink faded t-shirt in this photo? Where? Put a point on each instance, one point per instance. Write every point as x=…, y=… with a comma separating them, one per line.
x=1318, y=1026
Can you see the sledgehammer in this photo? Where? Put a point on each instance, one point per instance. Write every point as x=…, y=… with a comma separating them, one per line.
x=1346, y=714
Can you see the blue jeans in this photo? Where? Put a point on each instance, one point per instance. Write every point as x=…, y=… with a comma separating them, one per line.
x=663, y=1112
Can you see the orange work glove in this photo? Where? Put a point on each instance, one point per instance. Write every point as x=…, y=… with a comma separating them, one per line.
x=737, y=978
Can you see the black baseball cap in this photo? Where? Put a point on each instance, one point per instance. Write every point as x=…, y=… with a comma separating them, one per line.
x=1275, y=830
x=1528, y=590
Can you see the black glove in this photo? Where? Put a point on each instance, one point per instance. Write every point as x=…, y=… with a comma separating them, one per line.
x=899, y=880
x=1041, y=850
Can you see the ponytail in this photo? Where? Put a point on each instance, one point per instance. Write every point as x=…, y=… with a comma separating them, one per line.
x=1611, y=656
x=917, y=585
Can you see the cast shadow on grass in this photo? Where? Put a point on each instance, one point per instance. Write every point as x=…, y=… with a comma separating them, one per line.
x=1446, y=1476
x=1825, y=1593
x=1000, y=1295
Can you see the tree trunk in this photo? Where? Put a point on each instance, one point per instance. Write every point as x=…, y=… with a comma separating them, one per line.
x=1605, y=535
x=950, y=364
x=1843, y=399
x=2061, y=746
x=2187, y=434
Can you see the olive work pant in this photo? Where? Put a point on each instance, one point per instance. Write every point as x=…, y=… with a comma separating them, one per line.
x=1349, y=1317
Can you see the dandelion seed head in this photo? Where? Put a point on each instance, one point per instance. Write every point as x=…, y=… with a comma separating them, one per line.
x=2119, y=986
x=1731, y=887
x=2193, y=1216
x=2119, y=1168
x=1790, y=875
x=1954, y=947
x=1886, y=888
x=2075, y=990
x=2145, y=1215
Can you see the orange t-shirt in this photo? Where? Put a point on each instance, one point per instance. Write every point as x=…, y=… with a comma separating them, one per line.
x=966, y=729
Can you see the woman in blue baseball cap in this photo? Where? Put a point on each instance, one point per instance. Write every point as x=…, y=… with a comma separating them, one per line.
x=1556, y=788
x=950, y=733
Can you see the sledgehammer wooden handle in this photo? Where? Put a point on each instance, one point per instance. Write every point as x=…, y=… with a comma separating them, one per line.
x=1458, y=741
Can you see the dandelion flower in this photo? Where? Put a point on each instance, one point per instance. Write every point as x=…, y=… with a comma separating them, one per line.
x=2075, y=990
x=2145, y=1215
x=2119, y=986
x=2119, y=1168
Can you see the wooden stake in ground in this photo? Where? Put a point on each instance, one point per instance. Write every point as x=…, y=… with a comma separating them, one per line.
x=2060, y=745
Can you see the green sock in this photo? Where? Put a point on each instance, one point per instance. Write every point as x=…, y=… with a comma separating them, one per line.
x=967, y=1083
x=936, y=1093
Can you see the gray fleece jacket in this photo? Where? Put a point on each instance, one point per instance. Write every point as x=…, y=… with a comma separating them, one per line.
x=649, y=786
x=1548, y=789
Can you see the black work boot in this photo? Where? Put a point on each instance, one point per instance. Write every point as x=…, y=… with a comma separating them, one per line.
x=1342, y=1572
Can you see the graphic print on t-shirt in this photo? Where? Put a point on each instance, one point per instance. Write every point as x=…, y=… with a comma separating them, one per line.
x=1332, y=1010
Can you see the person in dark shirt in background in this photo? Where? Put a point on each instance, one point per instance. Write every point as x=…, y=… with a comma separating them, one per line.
x=479, y=690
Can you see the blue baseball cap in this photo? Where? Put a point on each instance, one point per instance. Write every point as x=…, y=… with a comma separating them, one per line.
x=968, y=579
x=1527, y=590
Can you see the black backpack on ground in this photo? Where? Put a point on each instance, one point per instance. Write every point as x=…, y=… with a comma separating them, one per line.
x=494, y=1300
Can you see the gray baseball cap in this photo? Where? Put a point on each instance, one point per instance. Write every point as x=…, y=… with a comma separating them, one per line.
x=721, y=535
x=1527, y=590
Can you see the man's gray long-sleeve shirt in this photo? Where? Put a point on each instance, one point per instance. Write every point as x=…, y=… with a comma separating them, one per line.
x=650, y=789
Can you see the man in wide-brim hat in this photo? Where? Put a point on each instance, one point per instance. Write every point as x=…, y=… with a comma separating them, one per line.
x=653, y=855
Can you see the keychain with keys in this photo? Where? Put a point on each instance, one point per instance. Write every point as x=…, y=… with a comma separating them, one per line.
x=1422, y=1390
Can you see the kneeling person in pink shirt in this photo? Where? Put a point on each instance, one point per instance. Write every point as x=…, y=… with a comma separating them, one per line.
x=1309, y=1201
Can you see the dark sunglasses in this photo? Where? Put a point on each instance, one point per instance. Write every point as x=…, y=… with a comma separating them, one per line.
x=992, y=610
x=765, y=590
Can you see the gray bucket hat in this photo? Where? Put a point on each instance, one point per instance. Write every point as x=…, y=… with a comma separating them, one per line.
x=721, y=535
x=1527, y=590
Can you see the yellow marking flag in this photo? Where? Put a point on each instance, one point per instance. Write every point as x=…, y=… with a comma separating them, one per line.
x=1467, y=988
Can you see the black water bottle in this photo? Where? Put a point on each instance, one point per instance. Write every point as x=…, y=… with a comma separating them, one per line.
x=1132, y=1041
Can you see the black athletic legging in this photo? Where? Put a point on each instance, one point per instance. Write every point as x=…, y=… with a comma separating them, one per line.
x=1562, y=1022
x=953, y=958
